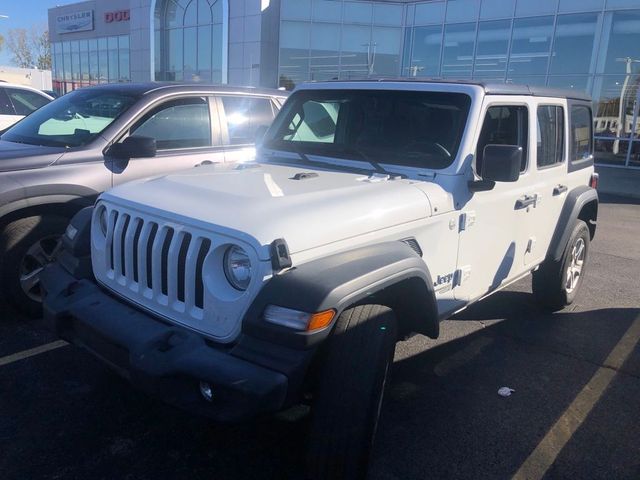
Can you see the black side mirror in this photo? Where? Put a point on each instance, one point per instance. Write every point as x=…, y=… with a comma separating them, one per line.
x=134, y=146
x=501, y=163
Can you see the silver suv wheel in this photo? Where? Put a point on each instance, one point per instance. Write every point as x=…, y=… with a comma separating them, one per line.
x=574, y=267
x=38, y=256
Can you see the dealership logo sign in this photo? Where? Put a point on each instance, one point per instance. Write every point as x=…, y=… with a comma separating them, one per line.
x=74, y=22
x=117, y=16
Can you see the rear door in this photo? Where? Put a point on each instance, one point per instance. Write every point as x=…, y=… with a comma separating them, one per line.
x=243, y=120
x=187, y=134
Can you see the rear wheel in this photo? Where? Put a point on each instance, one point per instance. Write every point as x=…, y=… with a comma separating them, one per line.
x=556, y=283
x=28, y=245
x=351, y=389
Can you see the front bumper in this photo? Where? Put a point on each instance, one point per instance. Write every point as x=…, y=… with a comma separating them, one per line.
x=164, y=360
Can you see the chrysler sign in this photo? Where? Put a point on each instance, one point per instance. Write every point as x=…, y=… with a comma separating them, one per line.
x=74, y=22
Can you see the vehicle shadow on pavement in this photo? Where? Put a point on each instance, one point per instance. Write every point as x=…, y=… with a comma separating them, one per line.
x=443, y=417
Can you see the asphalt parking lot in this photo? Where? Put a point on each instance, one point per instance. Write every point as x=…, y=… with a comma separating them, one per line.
x=575, y=411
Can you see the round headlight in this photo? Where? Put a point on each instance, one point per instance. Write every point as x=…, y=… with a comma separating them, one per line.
x=102, y=220
x=237, y=267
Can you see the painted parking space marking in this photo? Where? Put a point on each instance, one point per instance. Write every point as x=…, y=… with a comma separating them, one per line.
x=47, y=347
x=545, y=454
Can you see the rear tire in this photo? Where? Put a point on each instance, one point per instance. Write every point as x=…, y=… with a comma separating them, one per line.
x=26, y=246
x=351, y=389
x=556, y=284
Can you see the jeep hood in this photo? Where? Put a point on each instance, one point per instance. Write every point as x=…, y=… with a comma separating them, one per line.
x=264, y=202
x=20, y=156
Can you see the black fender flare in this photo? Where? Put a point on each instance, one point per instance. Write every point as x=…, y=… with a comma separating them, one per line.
x=389, y=273
x=574, y=204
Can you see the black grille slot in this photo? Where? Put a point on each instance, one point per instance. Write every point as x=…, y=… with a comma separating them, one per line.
x=182, y=264
x=152, y=237
x=112, y=226
x=415, y=246
x=136, y=241
x=123, y=247
x=205, y=246
x=164, y=270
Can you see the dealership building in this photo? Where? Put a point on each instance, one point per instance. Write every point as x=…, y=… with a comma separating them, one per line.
x=589, y=45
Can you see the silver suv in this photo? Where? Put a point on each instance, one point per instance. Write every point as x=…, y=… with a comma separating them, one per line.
x=61, y=157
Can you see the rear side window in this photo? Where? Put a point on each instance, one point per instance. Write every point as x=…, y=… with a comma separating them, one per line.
x=24, y=101
x=550, y=139
x=504, y=125
x=182, y=123
x=5, y=104
x=581, y=133
x=246, y=116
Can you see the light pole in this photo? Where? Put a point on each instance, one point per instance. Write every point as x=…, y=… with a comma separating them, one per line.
x=622, y=116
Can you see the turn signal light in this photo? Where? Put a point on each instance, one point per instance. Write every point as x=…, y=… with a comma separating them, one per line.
x=320, y=320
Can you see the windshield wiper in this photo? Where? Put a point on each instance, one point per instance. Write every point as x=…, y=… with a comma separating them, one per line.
x=316, y=163
x=376, y=165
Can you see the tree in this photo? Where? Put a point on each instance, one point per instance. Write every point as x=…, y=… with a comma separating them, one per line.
x=30, y=48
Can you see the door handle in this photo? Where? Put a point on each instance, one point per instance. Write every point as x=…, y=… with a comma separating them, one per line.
x=558, y=189
x=526, y=201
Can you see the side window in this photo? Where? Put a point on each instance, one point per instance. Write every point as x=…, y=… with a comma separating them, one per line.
x=182, y=123
x=25, y=101
x=5, y=104
x=550, y=135
x=245, y=117
x=504, y=125
x=580, y=133
x=316, y=123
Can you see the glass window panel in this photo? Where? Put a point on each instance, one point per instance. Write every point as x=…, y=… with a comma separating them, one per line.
x=357, y=12
x=93, y=59
x=124, y=70
x=535, y=7
x=504, y=125
x=356, y=51
x=621, y=40
x=157, y=47
x=325, y=51
x=327, y=10
x=123, y=42
x=425, y=61
x=550, y=138
x=75, y=60
x=183, y=123
x=191, y=14
x=459, y=42
x=497, y=9
x=204, y=53
x=216, y=62
x=580, y=127
x=575, y=82
x=429, y=13
x=462, y=10
x=573, y=44
x=24, y=101
x=245, y=117
x=406, y=52
x=613, y=117
x=621, y=3
x=580, y=5
x=387, y=14
x=295, y=9
x=204, y=13
x=84, y=60
x=492, y=50
x=536, y=80
x=530, y=45
x=294, y=53
x=66, y=55
x=173, y=15
x=113, y=66
x=112, y=43
x=386, y=51
x=190, y=53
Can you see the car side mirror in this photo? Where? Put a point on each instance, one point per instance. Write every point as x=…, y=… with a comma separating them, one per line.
x=501, y=163
x=135, y=146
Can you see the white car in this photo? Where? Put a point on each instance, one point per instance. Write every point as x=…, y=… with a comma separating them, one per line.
x=374, y=210
x=18, y=101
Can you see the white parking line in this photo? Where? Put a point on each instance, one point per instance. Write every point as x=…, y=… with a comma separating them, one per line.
x=14, y=357
x=558, y=436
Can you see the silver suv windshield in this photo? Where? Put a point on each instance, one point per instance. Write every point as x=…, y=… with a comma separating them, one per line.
x=408, y=128
x=72, y=120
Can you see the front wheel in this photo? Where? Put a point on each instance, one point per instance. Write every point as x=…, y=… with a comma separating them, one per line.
x=351, y=389
x=27, y=245
x=556, y=283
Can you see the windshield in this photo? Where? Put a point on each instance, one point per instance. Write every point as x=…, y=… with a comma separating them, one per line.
x=72, y=120
x=408, y=128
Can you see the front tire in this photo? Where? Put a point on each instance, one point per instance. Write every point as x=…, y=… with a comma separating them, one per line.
x=556, y=284
x=27, y=245
x=351, y=389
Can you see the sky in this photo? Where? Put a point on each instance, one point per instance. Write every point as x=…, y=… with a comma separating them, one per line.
x=23, y=14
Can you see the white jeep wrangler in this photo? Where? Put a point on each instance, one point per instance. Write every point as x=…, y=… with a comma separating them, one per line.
x=374, y=210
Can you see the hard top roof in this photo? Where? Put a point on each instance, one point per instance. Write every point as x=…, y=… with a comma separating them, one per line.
x=490, y=88
x=144, y=88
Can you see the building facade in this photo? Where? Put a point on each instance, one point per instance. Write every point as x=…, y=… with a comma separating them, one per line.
x=590, y=45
